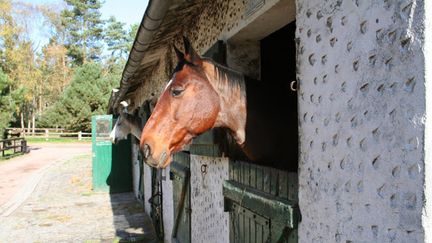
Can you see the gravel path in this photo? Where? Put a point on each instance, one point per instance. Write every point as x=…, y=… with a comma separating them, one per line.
x=16, y=172
x=63, y=208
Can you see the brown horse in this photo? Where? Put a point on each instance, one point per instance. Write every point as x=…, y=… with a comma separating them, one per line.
x=202, y=95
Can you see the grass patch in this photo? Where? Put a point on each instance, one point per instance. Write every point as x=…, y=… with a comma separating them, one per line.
x=8, y=155
x=79, y=157
x=59, y=218
x=88, y=194
x=8, y=152
x=57, y=140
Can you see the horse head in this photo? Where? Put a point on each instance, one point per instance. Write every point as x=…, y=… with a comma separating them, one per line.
x=189, y=105
x=126, y=124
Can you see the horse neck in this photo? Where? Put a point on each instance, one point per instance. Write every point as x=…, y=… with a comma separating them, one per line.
x=232, y=114
x=136, y=131
x=135, y=127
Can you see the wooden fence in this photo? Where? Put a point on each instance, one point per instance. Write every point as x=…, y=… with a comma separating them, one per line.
x=48, y=133
x=12, y=146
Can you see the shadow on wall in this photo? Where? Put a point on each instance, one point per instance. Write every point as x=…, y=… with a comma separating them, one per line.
x=129, y=219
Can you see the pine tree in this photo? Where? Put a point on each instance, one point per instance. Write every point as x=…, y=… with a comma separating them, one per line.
x=116, y=38
x=83, y=23
x=87, y=95
x=9, y=101
x=119, y=41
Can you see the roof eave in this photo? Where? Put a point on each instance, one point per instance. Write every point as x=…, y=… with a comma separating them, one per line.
x=152, y=19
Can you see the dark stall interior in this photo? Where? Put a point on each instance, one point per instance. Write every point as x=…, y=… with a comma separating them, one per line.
x=272, y=126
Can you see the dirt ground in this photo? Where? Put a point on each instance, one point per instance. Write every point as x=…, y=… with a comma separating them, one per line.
x=52, y=201
x=15, y=172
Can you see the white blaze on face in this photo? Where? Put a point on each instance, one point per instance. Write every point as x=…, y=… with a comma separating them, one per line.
x=113, y=133
x=168, y=84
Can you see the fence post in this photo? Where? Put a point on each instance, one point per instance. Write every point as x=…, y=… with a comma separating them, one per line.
x=46, y=134
x=23, y=146
x=79, y=135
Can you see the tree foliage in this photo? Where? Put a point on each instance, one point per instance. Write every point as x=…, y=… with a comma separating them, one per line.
x=56, y=73
x=17, y=58
x=65, y=82
x=9, y=100
x=6, y=101
x=83, y=23
x=116, y=38
x=87, y=95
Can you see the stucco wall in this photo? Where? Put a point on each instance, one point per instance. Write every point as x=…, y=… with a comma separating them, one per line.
x=167, y=205
x=147, y=187
x=135, y=166
x=362, y=120
x=427, y=215
x=209, y=222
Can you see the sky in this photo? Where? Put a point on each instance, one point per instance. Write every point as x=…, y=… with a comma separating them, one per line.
x=126, y=11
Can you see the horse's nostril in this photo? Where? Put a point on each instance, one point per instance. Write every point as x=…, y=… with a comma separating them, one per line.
x=146, y=151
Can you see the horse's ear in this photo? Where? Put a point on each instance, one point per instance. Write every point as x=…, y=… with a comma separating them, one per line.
x=179, y=54
x=124, y=104
x=190, y=54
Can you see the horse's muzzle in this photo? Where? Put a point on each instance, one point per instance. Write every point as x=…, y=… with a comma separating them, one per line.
x=156, y=163
x=146, y=151
x=150, y=160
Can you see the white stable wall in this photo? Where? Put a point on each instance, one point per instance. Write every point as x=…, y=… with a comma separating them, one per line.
x=209, y=222
x=135, y=166
x=147, y=187
x=362, y=103
x=168, y=205
x=427, y=214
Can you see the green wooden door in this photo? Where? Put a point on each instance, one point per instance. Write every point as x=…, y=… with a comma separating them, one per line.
x=102, y=151
x=111, y=164
x=263, y=203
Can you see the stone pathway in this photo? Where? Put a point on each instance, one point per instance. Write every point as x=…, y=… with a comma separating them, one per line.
x=15, y=173
x=63, y=208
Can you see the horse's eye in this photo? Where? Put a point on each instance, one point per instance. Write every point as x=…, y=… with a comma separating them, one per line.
x=175, y=92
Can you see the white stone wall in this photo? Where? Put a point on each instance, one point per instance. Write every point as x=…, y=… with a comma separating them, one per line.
x=168, y=206
x=147, y=187
x=135, y=166
x=362, y=105
x=209, y=222
x=427, y=215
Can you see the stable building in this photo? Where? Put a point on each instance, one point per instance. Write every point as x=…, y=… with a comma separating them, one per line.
x=359, y=100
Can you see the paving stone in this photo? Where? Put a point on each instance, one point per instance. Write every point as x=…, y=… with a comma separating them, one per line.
x=63, y=208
